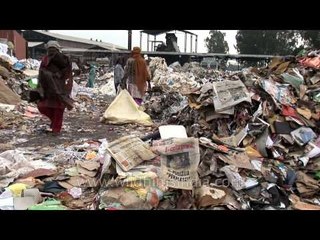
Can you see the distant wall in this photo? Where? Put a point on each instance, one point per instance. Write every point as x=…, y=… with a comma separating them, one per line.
x=19, y=42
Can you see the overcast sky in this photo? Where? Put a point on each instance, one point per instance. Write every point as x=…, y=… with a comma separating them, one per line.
x=120, y=37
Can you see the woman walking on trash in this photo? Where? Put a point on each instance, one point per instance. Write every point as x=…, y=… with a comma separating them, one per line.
x=136, y=76
x=55, y=85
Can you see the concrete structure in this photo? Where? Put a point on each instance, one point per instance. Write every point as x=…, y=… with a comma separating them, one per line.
x=20, y=44
x=154, y=42
x=78, y=48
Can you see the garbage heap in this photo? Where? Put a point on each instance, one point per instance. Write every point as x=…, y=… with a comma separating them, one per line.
x=251, y=142
x=19, y=75
x=57, y=178
x=16, y=79
x=34, y=178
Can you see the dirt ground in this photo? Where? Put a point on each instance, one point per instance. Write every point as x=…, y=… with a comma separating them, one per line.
x=77, y=126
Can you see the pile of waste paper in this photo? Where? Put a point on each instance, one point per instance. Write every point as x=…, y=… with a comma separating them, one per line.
x=60, y=178
x=170, y=79
x=250, y=141
x=207, y=139
x=19, y=75
x=4, y=56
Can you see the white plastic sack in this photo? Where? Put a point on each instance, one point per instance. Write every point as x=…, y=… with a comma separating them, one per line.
x=7, y=58
x=75, y=89
x=108, y=89
x=124, y=109
x=3, y=48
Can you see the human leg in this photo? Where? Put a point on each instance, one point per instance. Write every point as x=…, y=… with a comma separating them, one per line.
x=57, y=120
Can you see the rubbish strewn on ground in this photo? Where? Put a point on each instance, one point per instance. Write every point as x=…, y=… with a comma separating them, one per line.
x=203, y=139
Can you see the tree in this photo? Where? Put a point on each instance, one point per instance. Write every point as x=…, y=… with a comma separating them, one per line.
x=215, y=43
x=268, y=42
x=311, y=38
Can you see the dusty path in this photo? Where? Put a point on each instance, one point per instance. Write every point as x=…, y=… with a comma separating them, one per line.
x=77, y=126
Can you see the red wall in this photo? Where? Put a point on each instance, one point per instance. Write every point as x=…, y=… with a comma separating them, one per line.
x=19, y=42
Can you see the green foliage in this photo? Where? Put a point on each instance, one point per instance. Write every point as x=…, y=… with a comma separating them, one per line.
x=216, y=43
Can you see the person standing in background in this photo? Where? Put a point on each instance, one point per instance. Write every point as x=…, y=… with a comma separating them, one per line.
x=136, y=76
x=118, y=73
x=11, y=49
x=92, y=76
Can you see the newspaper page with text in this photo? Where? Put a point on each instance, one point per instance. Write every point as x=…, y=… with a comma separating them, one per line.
x=180, y=158
x=130, y=151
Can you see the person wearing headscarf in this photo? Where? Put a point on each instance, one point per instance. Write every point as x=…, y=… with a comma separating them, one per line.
x=10, y=48
x=118, y=72
x=55, y=85
x=136, y=76
x=92, y=76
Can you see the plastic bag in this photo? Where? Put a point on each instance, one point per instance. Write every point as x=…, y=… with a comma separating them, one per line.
x=50, y=204
x=75, y=89
x=295, y=79
x=108, y=89
x=123, y=109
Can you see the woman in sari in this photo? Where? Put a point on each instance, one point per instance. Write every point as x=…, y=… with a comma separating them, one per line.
x=136, y=76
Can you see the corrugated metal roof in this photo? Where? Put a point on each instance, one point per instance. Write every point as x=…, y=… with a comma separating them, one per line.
x=86, y=50
x=105, y=45
x=74, y=49
x=33, y=44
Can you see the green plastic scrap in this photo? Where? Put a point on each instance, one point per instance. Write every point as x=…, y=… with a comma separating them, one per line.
x=295, y=81
x=33, y=83
x=316, y=97
x=50, y=204
x=317, y=175
x=302, y=52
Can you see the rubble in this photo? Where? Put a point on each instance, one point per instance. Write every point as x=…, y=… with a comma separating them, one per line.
x=248, y=125
x=6, y=95
x=169, y=80
x=213, y=140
